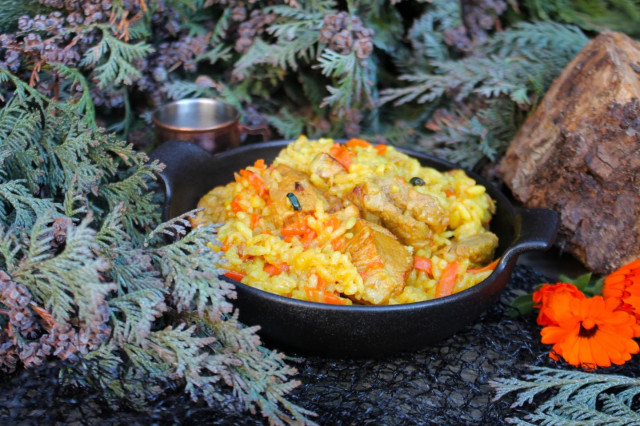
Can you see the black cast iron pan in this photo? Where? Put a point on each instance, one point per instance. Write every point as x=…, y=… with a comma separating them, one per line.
x=353, y=331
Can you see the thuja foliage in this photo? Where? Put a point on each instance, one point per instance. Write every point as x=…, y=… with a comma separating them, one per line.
x=571, y=396
x=88, y=274
x=454, y=78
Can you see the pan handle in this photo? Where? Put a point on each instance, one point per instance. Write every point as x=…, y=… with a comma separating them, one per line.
x=536, y=229
x=182, y=160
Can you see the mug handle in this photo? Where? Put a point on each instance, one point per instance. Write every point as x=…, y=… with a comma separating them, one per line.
x=260, y=129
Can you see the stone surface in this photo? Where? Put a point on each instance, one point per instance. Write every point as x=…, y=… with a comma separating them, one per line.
x=579, y=154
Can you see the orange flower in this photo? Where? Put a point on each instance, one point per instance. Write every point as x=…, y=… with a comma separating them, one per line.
x=553, y=302
x=623, y=285
x=592, y=333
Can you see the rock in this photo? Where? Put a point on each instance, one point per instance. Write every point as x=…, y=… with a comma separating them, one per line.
x=579, y=154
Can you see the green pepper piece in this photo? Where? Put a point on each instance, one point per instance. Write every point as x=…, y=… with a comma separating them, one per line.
x=294, y=201
x=416, y=181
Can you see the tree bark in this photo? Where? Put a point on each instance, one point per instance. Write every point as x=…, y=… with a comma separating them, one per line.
x=579, y=154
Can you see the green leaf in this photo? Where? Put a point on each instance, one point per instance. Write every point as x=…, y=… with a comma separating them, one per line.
x=521, y=305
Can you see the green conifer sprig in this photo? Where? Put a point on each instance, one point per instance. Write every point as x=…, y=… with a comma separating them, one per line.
x=567, y=396
x=111, y=59
x=595, y=15
x=111, y=270
x=280, y=68
x=70, y=283
x=488, y=93
x=84, y=106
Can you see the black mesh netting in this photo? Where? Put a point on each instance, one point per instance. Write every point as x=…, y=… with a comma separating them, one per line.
x=444, y=384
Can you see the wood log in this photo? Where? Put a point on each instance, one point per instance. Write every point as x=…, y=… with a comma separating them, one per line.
x=579, y=154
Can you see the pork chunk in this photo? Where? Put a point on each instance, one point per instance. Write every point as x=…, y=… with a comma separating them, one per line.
x=377, y=205
x=422, y=207
x=477, y=248
x=326, y=167
x=297, y=183
x=381, y=260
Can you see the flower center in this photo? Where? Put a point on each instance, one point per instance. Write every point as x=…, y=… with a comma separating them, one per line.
x=588, y=328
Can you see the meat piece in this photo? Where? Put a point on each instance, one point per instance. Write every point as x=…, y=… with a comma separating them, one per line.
x=423, y=207
x=326, y=167
x=377, y=205
x=380, y=259
x=297, y=183
x=477, y=248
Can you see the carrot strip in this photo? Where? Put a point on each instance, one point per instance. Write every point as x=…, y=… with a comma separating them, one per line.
x=342, y=155
x=255, y=220
x=272, y=269
x=490, y=267
x=235, y=205
x=447, y=280
x=323, y=297
x=299, y=227
x=235, y=275
x=354, y=142
x=308, y=238
x=333, y=222
x=259, y=164
x=337, y=243
x=381, y=148
x=322, y=284
x=423, y=264
x=255, y=180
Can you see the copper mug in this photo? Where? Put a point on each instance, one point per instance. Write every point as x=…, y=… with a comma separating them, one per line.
x=212, y=124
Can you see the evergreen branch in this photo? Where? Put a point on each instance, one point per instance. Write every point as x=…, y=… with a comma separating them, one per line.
x=179, y=348
x=131, y=268
x=111, y=232
x=13, y=10
x=136, y=312
x=23, y=91
x=181, y=89
x=84, y=105
x=86, y=273
x=310, y=13
x=19, y=207
x=258, y=54
x=10, y=250
x=596, y=15
x=578, y=396
x=18, y=126
x=117, y=68
x=174, y=228
x=222, y=25
x=105, y=369
x=5, y=153
x=220, y=52
x=114, y=154
x=69, y=283
x=75, y=200
x=299, y=44
x=352, y=79
x=132, y=190
x=19, y=131
x=530, y=38
x=192, y=275
x=287, y=124
x=244, y=373
x=426, y=33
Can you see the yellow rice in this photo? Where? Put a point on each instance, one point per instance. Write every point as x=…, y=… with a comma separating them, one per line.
x=248, y=251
